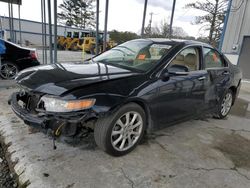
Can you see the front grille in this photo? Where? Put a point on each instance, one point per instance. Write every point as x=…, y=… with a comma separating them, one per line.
x=30, y=101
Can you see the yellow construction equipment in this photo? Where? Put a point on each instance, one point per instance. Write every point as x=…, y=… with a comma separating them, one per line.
x=62, y=42
x=85, y=42
x=90, y=42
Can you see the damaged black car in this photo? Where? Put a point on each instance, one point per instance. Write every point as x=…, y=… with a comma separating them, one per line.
x=134, y=88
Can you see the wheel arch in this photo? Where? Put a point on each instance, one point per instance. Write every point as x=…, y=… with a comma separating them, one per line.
x=234, y=91
x=144, y=106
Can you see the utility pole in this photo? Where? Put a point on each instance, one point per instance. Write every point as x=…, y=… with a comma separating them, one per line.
x=55, y=31
x=97, y=28
x=106, y=26
x=171, y=21
x=45, y=30
x=19, y=23
x=42, y=20
x=50, y=32
x=150, y=22
x=144, y=17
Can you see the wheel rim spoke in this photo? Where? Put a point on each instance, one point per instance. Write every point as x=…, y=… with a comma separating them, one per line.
x=117, y=140
x=135, y=133
x=133, y=119
x=136, y=125
x=129, y=140
x=119, y=122
x=116, y=132
x=123, y=143
x=127, y=118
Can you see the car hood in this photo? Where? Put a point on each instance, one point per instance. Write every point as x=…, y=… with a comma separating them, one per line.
x=57, y=79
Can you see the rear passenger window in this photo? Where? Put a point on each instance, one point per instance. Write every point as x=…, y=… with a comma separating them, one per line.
x=212, y=58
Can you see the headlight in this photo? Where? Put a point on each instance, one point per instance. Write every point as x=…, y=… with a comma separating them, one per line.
x=52, y=104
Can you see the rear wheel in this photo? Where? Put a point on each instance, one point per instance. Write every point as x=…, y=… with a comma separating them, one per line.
x=120, y=133
x=8, y=70
x=225, y=105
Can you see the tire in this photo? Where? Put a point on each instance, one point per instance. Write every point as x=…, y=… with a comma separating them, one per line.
x=225, y=105
x=121, y=129
x=8, y=70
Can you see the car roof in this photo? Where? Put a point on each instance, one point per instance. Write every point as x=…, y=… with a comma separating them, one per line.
x=175, y=41
x=14, y=44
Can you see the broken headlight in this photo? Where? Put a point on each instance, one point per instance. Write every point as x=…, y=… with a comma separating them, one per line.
x=53, y=104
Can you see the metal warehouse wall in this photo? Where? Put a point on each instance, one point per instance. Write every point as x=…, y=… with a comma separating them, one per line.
x=32, y=30
x=238, y=26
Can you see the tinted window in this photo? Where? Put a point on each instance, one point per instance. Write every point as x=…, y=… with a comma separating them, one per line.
x=188, y=57
x=212, y=58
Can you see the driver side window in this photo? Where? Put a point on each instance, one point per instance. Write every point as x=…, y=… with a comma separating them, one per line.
x=188, y=57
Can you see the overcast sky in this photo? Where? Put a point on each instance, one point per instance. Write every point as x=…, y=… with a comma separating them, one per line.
x=125, y=15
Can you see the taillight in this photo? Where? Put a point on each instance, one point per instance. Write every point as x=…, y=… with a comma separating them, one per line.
x=33, y=55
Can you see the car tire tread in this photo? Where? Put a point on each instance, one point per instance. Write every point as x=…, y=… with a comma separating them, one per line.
x=104, y=125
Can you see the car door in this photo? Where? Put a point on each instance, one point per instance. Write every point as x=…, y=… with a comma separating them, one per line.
x=181, y=96
x=219, y=72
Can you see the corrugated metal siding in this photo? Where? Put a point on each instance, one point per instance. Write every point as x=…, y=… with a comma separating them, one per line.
x=238, y=26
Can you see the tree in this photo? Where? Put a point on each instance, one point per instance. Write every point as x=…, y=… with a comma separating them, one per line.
x=163, y=31
x=78, y=13
x=213, y=20
x=120, y=37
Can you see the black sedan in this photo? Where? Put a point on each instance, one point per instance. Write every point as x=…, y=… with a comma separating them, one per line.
x=134, y=88
x=15, y=59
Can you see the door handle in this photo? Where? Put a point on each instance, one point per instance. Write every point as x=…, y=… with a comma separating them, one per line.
x=202, y=78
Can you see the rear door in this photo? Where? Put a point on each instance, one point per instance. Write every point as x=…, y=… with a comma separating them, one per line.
x=219, y=73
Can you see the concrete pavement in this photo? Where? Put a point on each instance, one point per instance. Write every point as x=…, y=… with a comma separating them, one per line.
x=198, y=153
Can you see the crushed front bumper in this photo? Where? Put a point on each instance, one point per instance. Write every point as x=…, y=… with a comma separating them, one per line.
x=67, y=122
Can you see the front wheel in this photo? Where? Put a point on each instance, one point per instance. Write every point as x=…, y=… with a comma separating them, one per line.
x=120, y=133
x=225, y=105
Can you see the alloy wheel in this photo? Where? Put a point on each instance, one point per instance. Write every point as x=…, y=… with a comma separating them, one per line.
x=126, y=131
x=226, y=104
x=8, y=71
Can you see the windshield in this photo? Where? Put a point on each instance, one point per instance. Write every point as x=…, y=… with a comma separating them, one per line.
x=140, y=55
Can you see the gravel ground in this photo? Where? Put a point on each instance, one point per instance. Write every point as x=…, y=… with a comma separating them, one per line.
x=6, y=177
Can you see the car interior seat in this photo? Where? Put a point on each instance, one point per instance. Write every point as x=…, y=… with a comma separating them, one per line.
x=178, y=60
x=190, y=60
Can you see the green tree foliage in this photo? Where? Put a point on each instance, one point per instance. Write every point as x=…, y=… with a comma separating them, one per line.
x=213, y=19
x=120, y=37
x=78, y=13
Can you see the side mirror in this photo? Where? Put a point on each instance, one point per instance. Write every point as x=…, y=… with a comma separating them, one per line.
x=165, y=76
